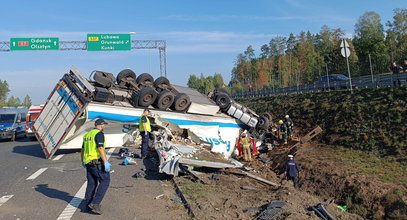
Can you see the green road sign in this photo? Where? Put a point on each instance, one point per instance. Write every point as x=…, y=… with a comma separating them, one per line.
x=108, y=42
x=39, y=43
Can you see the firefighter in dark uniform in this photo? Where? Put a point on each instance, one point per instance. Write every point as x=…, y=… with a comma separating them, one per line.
x=292, y=169
x=282, y=132
x=94, y=159
x=290, y=125
x=145, y=129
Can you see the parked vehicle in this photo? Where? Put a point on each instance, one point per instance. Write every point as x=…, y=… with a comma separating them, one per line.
x=12, y=122
x=33, y=113
x=333, y=82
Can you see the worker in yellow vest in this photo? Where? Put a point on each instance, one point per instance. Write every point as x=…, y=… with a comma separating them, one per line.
x=245, y=143
x=94, y=159
x=145, y=129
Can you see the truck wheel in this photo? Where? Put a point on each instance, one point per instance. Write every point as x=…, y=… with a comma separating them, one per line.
x=164, y=100
x=161, y=81
x=181, y=102
x=104, y=79
x=263, y=123
x=223, y=101
x=147, y=96
x=126, y=73
x=268, y=116
x=222, y=90
x=144, y=78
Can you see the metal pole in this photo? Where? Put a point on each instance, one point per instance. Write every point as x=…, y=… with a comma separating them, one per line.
x=347, y=63
x=371, y=69
x=327, y=75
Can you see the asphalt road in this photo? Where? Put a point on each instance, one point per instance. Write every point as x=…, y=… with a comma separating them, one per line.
x=32, y=187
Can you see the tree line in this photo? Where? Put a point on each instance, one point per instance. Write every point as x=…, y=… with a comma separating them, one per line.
x=11, y=101
x=305, y=57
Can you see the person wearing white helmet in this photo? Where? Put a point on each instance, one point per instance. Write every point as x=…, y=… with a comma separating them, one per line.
x=290, y=125
x=292, y=169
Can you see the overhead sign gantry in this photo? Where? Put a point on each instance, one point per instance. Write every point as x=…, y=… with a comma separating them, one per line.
x=94, y=42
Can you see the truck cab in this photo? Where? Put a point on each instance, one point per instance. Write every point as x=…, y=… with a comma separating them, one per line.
x=12, y=122
x=33, y=113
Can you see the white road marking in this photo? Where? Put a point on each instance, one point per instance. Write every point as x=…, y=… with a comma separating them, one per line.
x=4, y=199
x=36, y=174
x=58, y=157
x=73, y=205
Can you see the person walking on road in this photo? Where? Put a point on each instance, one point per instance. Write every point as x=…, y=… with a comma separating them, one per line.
x=246, y=143
x=145, y=129
x=94, y=159
x=282, y=132
x=290, y=126
x=292, y=169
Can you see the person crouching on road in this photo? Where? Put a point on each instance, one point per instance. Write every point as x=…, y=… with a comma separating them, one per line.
x=145, y=129
x=94, y=159
x=292, y=170
x=246, y=143
x=282, y=132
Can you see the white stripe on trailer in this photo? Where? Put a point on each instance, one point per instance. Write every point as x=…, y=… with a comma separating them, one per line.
x=4, y=199
x=73, y=205
x=36, y=174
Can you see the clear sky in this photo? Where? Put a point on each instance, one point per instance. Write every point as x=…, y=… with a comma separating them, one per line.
x=202, y=36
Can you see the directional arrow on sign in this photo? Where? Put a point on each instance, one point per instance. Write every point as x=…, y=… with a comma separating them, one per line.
x=344, y=43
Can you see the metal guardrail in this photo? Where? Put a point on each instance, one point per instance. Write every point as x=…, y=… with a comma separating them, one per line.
x=361, y=82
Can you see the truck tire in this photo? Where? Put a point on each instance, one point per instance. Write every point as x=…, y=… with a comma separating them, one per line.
x=144, y=78
x=126, y=73
x=147, y=96
x=223, y=101
x=164, y=100
x=181, y=102
x=161, y=81
x=263, y=123
x=221, y=90
x=104, y=79
x=268, y=116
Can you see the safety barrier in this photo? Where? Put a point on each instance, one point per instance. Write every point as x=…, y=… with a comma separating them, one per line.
x=360, y=82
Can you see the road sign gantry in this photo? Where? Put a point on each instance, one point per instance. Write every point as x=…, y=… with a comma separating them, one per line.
x=135, y=44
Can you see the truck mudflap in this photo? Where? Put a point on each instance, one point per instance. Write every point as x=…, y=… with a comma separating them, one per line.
x=64, y=106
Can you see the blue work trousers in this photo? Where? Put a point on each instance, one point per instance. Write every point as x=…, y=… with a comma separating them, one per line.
x=295, y=180
x=98, y=183
x=145, y=139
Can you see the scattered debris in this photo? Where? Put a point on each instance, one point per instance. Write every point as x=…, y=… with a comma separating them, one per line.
x=128, y=161
x=269, y=210
x=249, y=188
x=215, y=177
x=321, y=211
x=252, y=176
x=140, y=174
x=159, y=196
x=176, y=200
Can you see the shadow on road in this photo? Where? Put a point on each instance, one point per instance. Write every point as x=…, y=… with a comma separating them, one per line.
x=36, y=151
x=152, y=171
x=30, y=150
x=58, y=194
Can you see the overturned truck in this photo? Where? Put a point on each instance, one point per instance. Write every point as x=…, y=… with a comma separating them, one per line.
x=183, y=117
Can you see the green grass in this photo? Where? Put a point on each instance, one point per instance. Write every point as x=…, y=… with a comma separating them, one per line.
x=385, y=169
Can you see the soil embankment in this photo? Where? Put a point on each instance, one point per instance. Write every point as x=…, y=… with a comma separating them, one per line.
x=360, y=159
